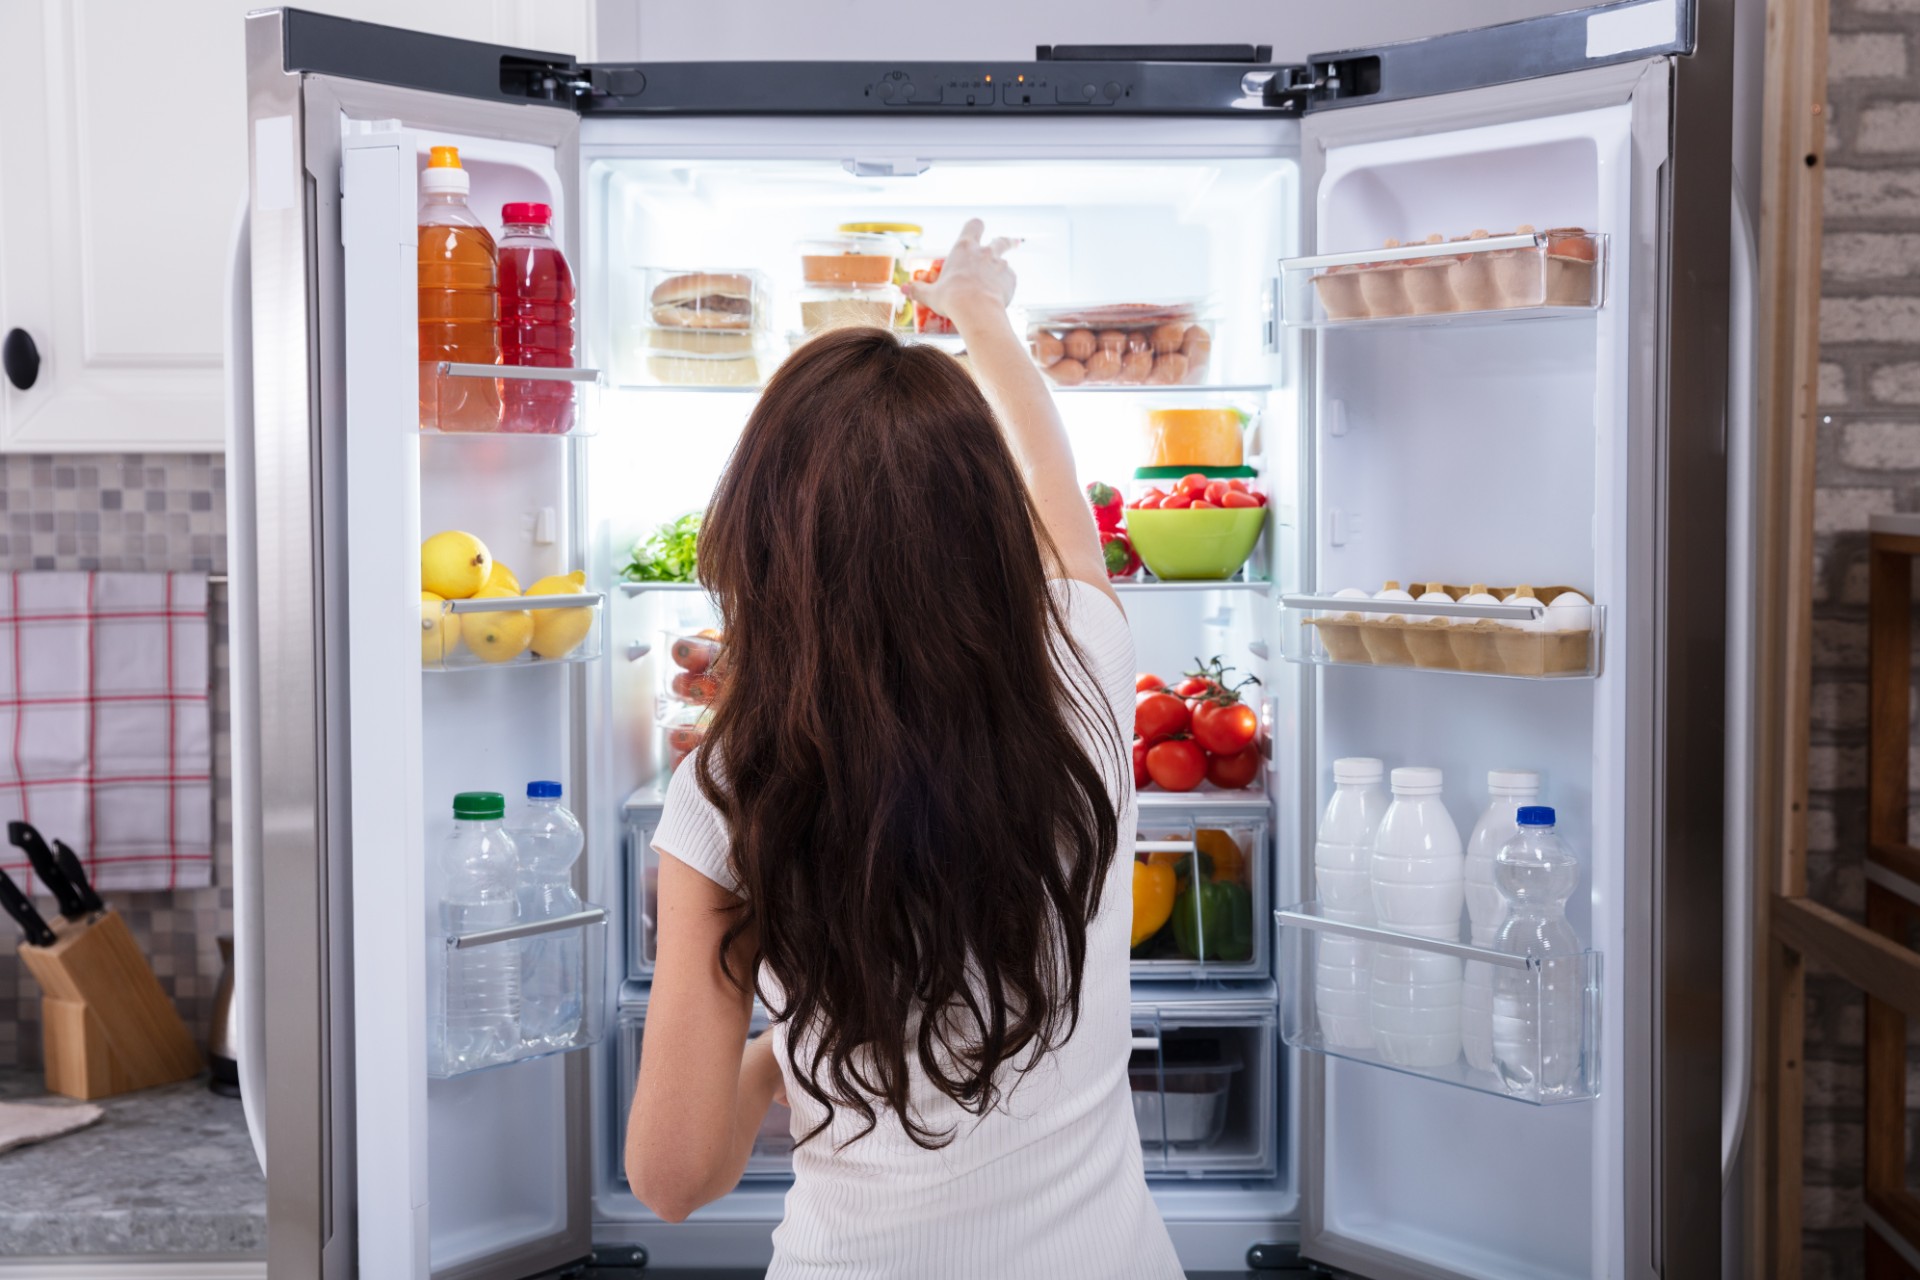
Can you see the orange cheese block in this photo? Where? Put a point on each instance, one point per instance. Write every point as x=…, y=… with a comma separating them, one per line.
x=1194, y=438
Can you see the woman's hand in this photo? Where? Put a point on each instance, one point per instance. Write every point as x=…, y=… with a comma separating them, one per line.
x=975, y=283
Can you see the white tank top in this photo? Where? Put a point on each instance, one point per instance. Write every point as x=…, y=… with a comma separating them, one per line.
x=1048, y=1184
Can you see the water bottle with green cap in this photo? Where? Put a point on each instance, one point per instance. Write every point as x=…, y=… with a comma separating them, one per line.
x=482, y=992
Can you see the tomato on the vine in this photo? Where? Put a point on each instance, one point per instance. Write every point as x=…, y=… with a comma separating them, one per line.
x=1194, y=687
x=1234, y=771
x=1224, y=728
x=1147, y=682
x=1158, y=715
x=1176, y=764
x=1140, y=748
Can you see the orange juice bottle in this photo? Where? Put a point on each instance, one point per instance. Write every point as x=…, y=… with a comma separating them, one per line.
x=459, y=302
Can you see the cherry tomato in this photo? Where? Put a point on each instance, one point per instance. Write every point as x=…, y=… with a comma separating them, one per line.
x=1194, y=686
x=1225, y=728
x=1155, y=715
x=1140, y=749
x=1193, y=482
x=1238, y=486
x=1148, y=504
x=694, y=653
x=1217, y=492
x=1147, y=682
x=1176, y=764
x=1235, y=498
x=1234, y=771
x=1260, y=498
x=1178, y=502
x=1201, y=504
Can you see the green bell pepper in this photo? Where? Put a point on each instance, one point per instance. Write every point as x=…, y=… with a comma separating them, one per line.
x=1213, y=920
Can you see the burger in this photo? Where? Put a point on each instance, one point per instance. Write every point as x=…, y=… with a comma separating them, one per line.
x=704, y=300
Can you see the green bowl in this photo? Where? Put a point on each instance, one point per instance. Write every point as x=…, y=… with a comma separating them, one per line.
x=1188, y=544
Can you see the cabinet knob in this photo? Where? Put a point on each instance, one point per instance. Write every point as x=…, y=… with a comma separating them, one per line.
x=20, y=358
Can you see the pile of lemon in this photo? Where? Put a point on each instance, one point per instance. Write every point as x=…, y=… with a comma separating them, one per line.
x=455, y=565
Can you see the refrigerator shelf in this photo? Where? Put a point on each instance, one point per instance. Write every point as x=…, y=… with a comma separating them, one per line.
x=1476, y=1029
x=1152, y=585
x=586, y=964
x=632, y=589
x=458, y=399
x=1104, y=389
x=571, y=624
x=1478, y=640
x=1530, y=276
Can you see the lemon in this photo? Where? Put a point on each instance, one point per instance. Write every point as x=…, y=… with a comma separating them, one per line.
x=439, y=630
x=454, y=564
x=497, y=637
x=501, y=576
x=558, y=632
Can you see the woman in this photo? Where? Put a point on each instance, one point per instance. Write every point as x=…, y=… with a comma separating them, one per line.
x=911, y=825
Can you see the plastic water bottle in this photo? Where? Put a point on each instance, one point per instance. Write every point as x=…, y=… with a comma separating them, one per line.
x=482, y=1006
x=1343, y=874
x=1417, y=889
x=1536, y=1012
x=552, y=978
x=1508, y=790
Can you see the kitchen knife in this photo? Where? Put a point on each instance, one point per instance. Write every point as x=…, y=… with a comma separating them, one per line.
x=26, y=837
x=76, y=874
x=16, y=905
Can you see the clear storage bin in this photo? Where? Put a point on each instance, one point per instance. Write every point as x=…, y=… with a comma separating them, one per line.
x=1527, y=273
x=850, y=258
x=848, y=306
x=497, y=632
x=1205, y=1086
x=1317, y=949
x=696, y=327
x=1169, y=344
x=590, y=922
x=772, y=1155
x=1217, y=866
x=1527, y=640
x=643, y=880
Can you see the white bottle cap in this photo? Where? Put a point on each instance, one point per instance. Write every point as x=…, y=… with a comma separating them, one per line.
x=441, y=180
x=1416, y=780
x=1513, y=782
x=1357, y=769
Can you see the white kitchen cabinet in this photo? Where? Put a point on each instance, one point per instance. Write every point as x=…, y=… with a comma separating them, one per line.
x=122, y=169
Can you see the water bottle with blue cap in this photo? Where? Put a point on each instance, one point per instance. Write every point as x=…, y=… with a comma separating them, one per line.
x=1537, y=1010
x=552, y=977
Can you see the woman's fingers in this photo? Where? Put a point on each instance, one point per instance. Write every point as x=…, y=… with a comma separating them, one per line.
x=971, y=232
x=1001, y=244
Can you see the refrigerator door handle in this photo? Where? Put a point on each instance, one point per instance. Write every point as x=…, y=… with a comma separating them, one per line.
x=1736, y=1021
x=249, y=968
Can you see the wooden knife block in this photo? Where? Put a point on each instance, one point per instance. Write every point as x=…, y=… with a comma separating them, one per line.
x=107, y=1026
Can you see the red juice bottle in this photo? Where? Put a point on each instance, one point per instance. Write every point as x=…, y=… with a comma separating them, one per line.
x=536, y=321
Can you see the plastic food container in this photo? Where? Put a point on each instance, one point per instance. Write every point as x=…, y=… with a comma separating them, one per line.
x=1185, y=1087
x=839, y=308
x=1193, y=545
x=1210, y=436
x=908, y=235
x=708, y=299
x=1129, y=344
x=849, y=258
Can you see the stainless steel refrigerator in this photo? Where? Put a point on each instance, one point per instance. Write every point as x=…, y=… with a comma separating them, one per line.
x=1546, y=402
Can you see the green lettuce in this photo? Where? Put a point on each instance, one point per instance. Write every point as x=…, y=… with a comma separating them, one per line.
x=668, y=555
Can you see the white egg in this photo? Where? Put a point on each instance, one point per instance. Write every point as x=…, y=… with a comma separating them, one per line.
x=1391, y=591
x=1570, y=611
x=1436, y=596
x=1524, y=595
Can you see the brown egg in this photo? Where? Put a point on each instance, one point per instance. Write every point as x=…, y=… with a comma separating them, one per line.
x=1136, y=365
x=1046, y=348
x=1068, y=372
x=1081, y=343
x=1139, y=340
x=1169, y=370
x=1166, y=337
x=1113, y=340
x=1196, y=347
x=1103, y=366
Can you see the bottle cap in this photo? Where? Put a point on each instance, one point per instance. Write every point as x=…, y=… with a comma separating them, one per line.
x=543, y=791
x=1536, y=815
x=1357, y=769
x=479, y=805
x=526, y=211
x=1513, y=782
x=1416, y=780
x=444, y=172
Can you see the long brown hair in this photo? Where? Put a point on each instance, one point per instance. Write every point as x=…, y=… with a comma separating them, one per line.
x=918, y=834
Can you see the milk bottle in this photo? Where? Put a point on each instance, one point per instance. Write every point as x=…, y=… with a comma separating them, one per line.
x=1417, y=873
x=1343, y=876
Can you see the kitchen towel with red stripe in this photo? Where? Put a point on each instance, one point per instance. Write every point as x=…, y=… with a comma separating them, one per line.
x=104, y=734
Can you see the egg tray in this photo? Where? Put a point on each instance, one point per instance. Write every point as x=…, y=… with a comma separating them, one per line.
x=1451, y=281
x=1480, y=646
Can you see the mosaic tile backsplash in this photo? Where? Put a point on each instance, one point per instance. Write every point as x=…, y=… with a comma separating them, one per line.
x=136, y=512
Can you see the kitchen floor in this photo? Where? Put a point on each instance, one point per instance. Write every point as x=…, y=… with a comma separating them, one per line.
x=166, y=1171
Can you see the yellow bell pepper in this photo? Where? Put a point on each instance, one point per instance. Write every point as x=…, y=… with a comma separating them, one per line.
x=1153, y=889
x=1229, y=863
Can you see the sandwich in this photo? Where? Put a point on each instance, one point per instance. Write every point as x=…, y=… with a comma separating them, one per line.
x=704, y=300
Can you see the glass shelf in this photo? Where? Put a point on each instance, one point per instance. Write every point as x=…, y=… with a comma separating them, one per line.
x=1150, y=585
x=632, y=589
x=472, y=637
x=1446, y=1011
x=1530, y=276
x=1460, y=639
x=516, y=944
x=1184, y=393
x=487, y=400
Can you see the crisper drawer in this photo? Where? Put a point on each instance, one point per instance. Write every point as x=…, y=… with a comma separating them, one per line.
x=1200, y=889
x=772, y=1148
x=643, y=887
x=1206, y=1088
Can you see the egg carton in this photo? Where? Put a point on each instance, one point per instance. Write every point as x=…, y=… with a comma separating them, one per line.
x=1478, y=645
x=1528, y=269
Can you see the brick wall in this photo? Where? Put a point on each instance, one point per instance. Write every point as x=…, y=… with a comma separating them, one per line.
x=1869, y=461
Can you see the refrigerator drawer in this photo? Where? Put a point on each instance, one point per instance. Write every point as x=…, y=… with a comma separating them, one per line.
x=1521, y=1027
x=772, y=1155
x=1200, y=886
x=643, y=886
x=1206, y=1089
x=559, y=966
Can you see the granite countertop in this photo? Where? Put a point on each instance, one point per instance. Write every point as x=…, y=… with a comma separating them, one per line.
x=164, y=1171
